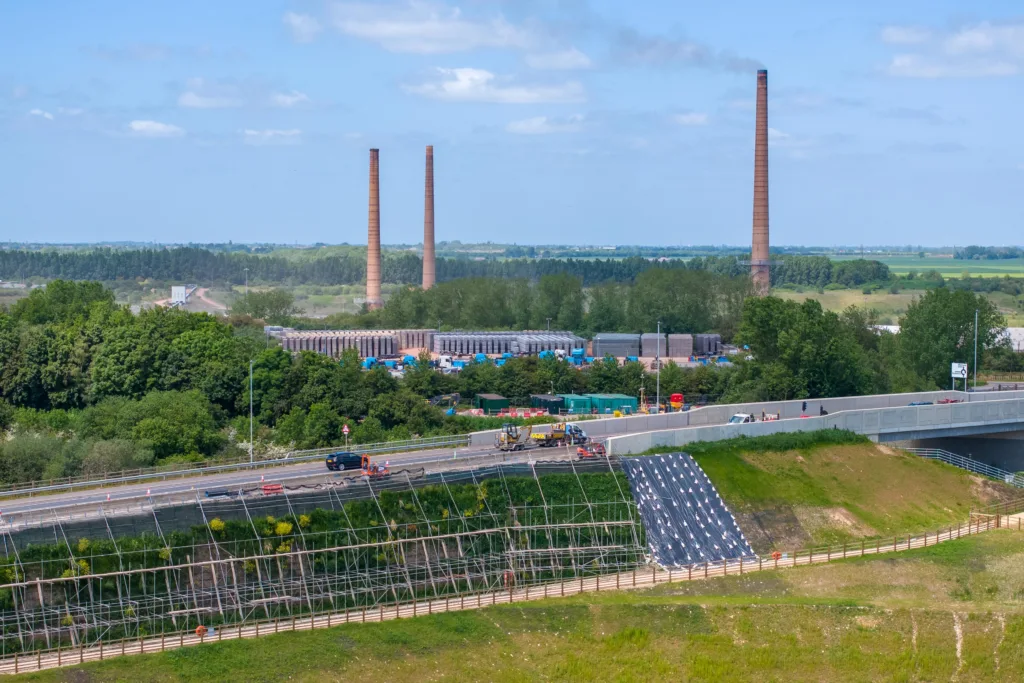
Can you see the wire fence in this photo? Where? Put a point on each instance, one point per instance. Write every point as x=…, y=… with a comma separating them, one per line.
x=511, y=590
x=1015, y=479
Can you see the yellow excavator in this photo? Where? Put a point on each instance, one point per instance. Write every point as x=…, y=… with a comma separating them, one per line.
x=512, y=437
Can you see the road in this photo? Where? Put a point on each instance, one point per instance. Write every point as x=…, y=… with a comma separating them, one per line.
x=439, y=458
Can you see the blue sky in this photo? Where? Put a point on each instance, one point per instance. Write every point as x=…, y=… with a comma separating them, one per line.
x=558, y=121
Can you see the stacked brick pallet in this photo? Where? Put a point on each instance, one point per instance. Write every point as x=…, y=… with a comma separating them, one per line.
x=468, y=343
x=369, y=343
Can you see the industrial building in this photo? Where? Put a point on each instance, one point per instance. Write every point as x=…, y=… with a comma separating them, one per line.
x=369, y=343
x=468, y=343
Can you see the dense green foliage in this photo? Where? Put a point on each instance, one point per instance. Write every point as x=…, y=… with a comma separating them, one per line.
x=683, y=300
x=167, y=384
x=348, y=266
x=976, y=253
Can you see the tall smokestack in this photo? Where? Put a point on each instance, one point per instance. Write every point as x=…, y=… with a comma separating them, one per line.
x=373, y=298
x=428, y=222
x=759, y=259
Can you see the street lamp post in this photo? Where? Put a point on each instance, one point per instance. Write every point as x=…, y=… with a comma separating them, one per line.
x=250, y=412
x=975, y=349
x=657, y=394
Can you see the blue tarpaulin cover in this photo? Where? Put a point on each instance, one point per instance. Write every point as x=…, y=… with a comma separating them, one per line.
x=685, y=519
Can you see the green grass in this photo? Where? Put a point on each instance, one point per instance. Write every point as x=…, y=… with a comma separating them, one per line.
x=873, y=619
x=947, y=266
x=792, y=491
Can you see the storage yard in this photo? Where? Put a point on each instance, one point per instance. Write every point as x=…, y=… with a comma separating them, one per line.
x=380, y=344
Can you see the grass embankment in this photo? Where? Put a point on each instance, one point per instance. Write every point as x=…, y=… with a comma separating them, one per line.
x=955, y=611
x=792, y=491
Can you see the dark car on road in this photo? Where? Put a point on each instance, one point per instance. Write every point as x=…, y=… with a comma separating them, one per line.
x=344, y=461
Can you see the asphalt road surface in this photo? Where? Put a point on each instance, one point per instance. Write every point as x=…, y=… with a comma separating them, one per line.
x=438, y=458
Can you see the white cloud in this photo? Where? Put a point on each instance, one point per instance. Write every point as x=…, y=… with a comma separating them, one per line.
x=566, y=60
x=194, y=100
x=19, y=92
x=154, y=129
x=987, y=38
x=905, y=35
x=288, y=100
x=477, y=85
x=981, y=50
x=272, y=137
x=916, y=66
x=304, y=28
x=41, y=114
x=543, y=125
x=70, y=111
x=423, y=27
x=691, y=119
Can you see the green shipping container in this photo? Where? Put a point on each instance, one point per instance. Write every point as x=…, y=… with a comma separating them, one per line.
x=609, y=403
x=491, y=403
x=576, y=404
x=552, y=404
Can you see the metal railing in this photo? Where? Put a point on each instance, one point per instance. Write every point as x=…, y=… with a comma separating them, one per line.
x=971, y=465
x=72, y=655
x=292, y=457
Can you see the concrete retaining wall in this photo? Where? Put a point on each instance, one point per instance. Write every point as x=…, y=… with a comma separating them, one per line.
x=880, y=424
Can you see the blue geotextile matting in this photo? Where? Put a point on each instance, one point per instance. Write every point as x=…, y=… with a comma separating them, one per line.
x=685, y=519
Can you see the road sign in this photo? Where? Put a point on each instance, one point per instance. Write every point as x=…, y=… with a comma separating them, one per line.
x=344, y=430
x=959, y=370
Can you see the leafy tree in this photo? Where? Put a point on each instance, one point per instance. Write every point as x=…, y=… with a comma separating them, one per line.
x=938, y=330
x=61, y=301
x=115, y=455
x=276, y=306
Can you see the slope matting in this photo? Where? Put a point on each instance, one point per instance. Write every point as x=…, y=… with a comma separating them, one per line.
x=685, y=519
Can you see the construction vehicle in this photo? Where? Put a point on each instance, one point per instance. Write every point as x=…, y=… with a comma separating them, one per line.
x=513, y=438
x=375, y=470
x=590, y=451
x=560, y=434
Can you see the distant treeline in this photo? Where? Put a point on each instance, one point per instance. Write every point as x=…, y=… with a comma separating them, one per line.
x=974, y=253
x=192, y=264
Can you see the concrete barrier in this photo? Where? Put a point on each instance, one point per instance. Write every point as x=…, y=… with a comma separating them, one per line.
x=720, y=414
x=880, y=424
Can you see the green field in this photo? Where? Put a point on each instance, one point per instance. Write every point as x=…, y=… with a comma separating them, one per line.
x=950, y=612
x=890, y=307
x=946, y=265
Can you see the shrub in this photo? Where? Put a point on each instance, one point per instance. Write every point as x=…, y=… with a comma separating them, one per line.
x=217, y=524
x=283, y=528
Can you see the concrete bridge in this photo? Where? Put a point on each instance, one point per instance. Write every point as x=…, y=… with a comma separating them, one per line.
x=884, y=419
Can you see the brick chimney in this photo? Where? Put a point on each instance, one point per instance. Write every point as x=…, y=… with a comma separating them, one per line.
x=373, y=297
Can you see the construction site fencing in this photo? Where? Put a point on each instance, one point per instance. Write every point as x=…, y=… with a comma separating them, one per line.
x=179, y=470
x=391, y=543
x=510, y=591
x=971, y=465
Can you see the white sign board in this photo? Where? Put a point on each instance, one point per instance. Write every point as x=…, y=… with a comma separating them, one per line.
x=344, y=430
x=960, y=370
